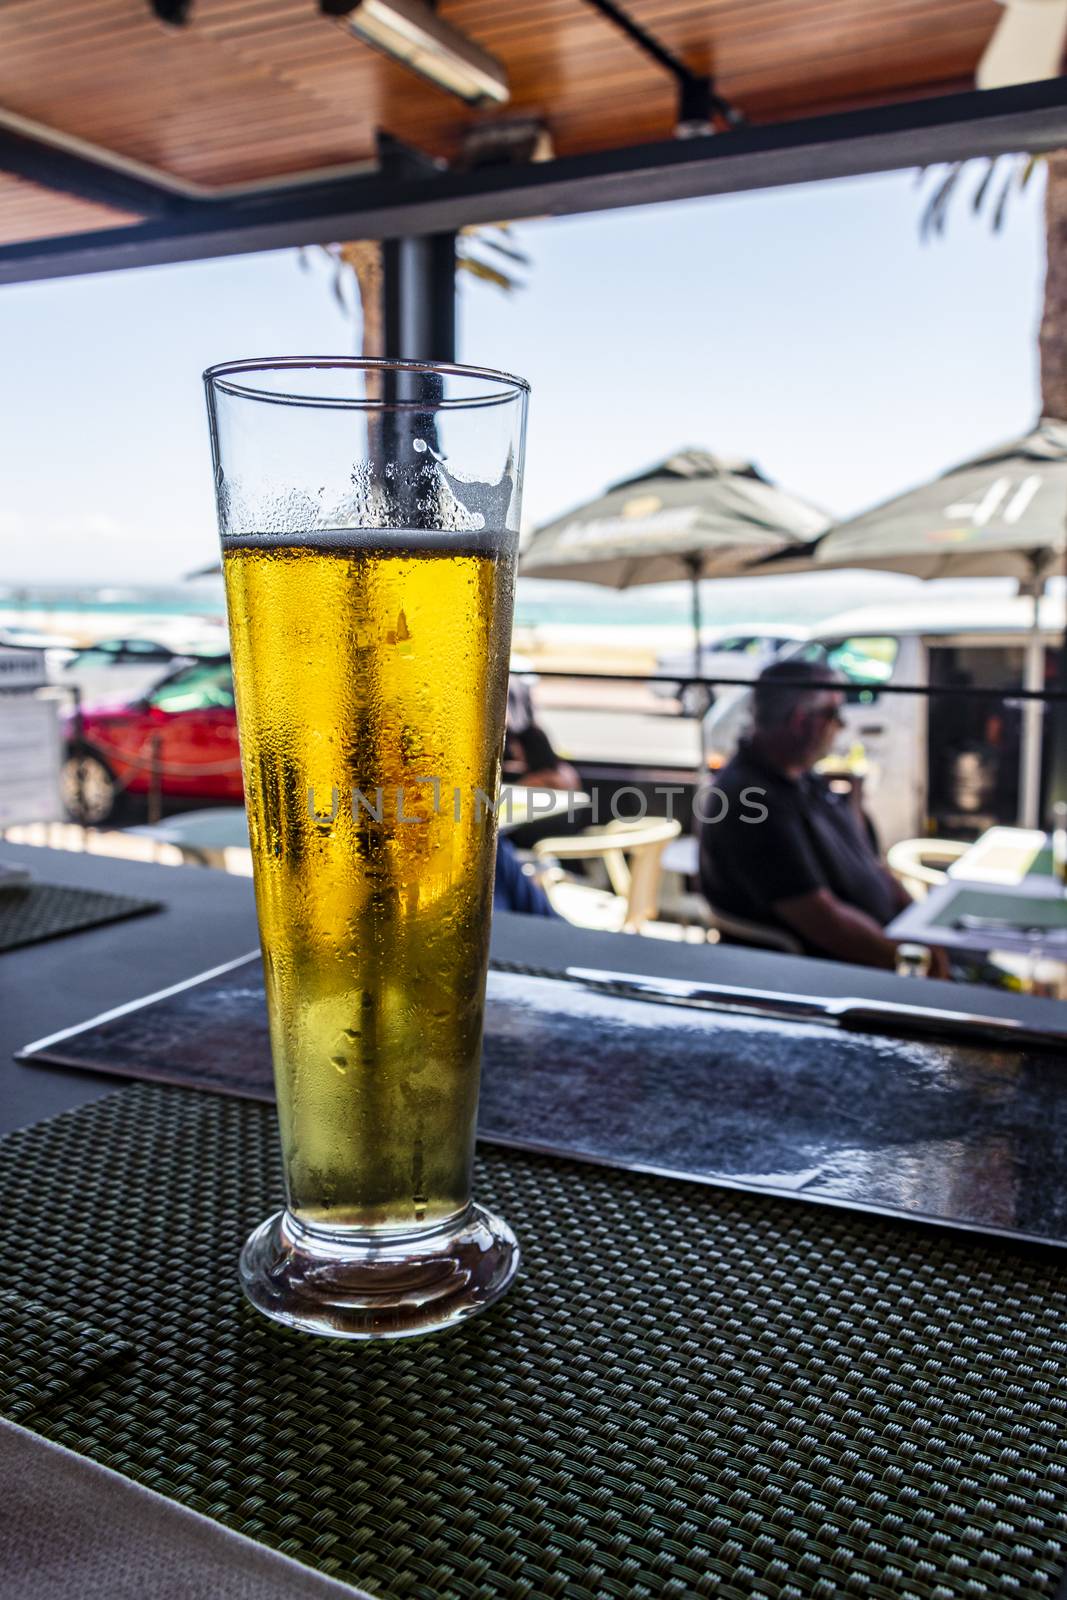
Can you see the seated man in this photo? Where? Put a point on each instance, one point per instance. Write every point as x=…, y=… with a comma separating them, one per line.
x=778, y=846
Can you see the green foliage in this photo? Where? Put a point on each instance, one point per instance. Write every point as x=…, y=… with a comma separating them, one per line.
x=999, y=176
x=489, y=254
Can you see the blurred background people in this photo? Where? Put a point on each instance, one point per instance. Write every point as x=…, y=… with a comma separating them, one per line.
x=515, y=888
x=529, y=758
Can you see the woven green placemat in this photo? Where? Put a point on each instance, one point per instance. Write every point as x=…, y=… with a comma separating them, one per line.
x=688, y=1391
x=44, y=1355
x=40, y=911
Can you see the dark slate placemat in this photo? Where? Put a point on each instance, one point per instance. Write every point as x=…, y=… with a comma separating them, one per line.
x=30, y=913
x=687, y=1392
x=45, y=1355
x=973, y=1137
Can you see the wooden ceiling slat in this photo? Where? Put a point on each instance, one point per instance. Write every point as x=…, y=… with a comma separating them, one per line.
x=667, y=20
x=857, y=66
x=261, y=88
x=908, y=28
x=263, y=100
x=35, y=43
x=768, y=42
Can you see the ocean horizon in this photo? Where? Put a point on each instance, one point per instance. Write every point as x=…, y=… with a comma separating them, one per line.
x=799, y=599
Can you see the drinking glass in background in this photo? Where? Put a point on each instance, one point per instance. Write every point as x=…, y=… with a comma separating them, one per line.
x=1059, y=842
x=369, y=516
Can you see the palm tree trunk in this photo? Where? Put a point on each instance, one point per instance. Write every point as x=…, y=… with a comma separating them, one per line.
x=364, y=256
x=1053, y=337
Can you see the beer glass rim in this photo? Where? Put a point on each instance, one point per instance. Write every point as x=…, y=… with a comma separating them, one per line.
x=230, y=377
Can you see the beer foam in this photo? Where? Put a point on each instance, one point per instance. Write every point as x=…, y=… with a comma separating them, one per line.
x=399, y=541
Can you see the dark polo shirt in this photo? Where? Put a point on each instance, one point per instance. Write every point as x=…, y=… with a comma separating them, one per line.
x=809, y=838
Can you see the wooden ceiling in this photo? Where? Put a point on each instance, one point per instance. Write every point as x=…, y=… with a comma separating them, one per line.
x=261, y=89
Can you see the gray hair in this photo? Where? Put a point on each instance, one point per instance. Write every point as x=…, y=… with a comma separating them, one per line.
x=787, y=686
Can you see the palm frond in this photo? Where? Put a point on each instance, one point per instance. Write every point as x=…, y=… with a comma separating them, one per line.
x=982, y=190
x=935, y=211
x=1020, y=170
x=343, y=262
x=488, y=274
x=495, y=236
x=520, y=258
x=1000, y=210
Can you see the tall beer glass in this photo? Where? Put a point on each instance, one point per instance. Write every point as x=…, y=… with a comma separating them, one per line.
x=369, y=516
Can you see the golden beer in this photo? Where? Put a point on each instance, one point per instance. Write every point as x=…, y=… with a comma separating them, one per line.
x=369, y=515
x=371, y=681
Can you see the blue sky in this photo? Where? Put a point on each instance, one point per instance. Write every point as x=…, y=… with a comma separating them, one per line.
x=806, y=328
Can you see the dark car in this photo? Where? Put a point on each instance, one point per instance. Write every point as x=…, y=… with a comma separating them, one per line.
x=180, y=738
x=135, y=651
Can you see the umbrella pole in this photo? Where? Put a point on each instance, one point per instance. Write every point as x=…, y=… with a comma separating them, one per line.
x=694, y=582
x=1033, y=721
x=698, y=659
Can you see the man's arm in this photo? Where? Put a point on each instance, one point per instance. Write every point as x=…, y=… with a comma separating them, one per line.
x=845, y=932
x=901, y=898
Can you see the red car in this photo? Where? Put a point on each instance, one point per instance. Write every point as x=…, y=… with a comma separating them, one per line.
x=181, y=737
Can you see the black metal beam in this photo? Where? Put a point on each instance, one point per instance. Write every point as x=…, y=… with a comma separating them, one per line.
x=698, y=103
x=70, y=173
x=945, y=128
x=642, y=38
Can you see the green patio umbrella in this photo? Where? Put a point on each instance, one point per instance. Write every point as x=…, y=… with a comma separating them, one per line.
x=1001, y=514
x=694, y=516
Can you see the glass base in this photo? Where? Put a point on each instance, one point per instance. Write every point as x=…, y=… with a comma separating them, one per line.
x=350, y=1285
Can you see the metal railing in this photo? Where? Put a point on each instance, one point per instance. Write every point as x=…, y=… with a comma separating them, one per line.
x=847, y=685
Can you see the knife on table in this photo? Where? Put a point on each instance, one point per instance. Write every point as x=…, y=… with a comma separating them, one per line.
x=851, y=1013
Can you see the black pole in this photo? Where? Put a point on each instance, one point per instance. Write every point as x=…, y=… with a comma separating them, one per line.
x=418, y=324
x=419, y=289
x=1055, y=736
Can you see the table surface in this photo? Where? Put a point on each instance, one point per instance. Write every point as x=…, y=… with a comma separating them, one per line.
x=209, y=918
x=686, y=1393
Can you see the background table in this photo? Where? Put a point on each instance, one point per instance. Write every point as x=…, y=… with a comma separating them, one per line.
x=1009, y=856
x=1012, y=922
x=1007, y=875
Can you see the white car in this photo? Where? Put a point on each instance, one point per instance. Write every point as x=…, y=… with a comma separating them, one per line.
x=740, y=655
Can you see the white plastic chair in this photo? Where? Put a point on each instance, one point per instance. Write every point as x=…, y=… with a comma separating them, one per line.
x=919, y=864
x=632, y=854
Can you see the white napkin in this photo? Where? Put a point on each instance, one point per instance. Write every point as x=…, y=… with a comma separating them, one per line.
x=72, y=1528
